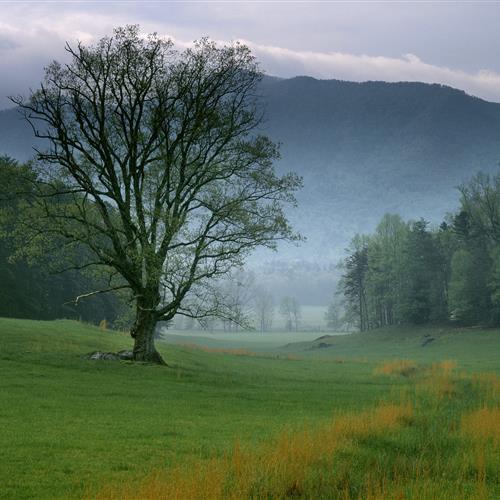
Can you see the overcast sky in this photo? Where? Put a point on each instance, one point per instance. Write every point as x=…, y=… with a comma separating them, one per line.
x=454, y=43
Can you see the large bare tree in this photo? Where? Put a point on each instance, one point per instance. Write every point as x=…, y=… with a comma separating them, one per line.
x=155, y=158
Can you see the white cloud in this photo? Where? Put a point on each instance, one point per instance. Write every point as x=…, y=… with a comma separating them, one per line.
x=28, y=42
x=409, y=67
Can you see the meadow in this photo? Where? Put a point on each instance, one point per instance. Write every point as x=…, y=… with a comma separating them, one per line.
x=312, y=319
x=372, y=415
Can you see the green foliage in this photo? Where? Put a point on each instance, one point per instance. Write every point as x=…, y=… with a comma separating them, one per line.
x=387, y=258
x=397, y=276
x=494, y=283
x=480, y=200
x=354, y=284
x=462, y=273
x=424, y=291
x=29, y=285
x=469, y=300
x=415, y=274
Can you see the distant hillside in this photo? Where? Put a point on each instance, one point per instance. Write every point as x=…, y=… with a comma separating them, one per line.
x=363, y=149
x=369, y=148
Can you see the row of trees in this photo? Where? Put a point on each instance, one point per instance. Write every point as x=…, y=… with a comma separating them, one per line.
x=409, y=272
x=251, y=305
x=31, y=282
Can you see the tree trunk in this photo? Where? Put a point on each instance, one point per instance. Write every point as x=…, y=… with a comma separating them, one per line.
x=143, y=333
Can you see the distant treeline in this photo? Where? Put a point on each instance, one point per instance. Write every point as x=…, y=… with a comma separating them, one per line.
x=411, y=273
x=31, y=282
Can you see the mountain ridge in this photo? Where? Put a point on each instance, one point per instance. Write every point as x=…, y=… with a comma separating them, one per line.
x=363, y=149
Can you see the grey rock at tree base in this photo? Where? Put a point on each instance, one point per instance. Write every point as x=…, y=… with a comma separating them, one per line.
x=110, y=356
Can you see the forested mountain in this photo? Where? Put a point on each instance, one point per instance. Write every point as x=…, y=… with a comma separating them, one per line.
x=364, y=149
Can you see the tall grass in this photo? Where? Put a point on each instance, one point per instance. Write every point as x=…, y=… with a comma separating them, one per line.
x=279, y=469
x=428, y=444
x=482, y=425
x=404, y=367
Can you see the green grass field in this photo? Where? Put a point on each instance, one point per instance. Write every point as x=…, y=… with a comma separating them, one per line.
x=72, y=428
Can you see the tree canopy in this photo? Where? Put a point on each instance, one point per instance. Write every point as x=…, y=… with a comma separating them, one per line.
x=409, y=272
x=161, y=175
x=29, y=285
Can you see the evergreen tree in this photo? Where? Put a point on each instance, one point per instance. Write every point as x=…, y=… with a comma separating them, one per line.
x=354, y=283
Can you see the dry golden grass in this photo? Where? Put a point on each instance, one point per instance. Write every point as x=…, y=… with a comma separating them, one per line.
x=213, y=350
x=408, y=368
x=383, y=487
x=482, y=425
x=481, y=428
x=445, y=367
x=438, y=381
x=489, y=385
x=404, y=367
x=237, y=352
x=275, y=470
x=295, y=463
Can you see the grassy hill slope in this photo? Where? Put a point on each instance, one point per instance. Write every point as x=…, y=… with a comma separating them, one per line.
x=68, y=423
x=474, y=349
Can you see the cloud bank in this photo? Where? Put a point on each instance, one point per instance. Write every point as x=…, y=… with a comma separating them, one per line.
x=28, y=44
x=343, y=66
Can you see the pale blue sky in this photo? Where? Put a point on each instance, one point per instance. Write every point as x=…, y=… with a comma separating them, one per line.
x=455, y=43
